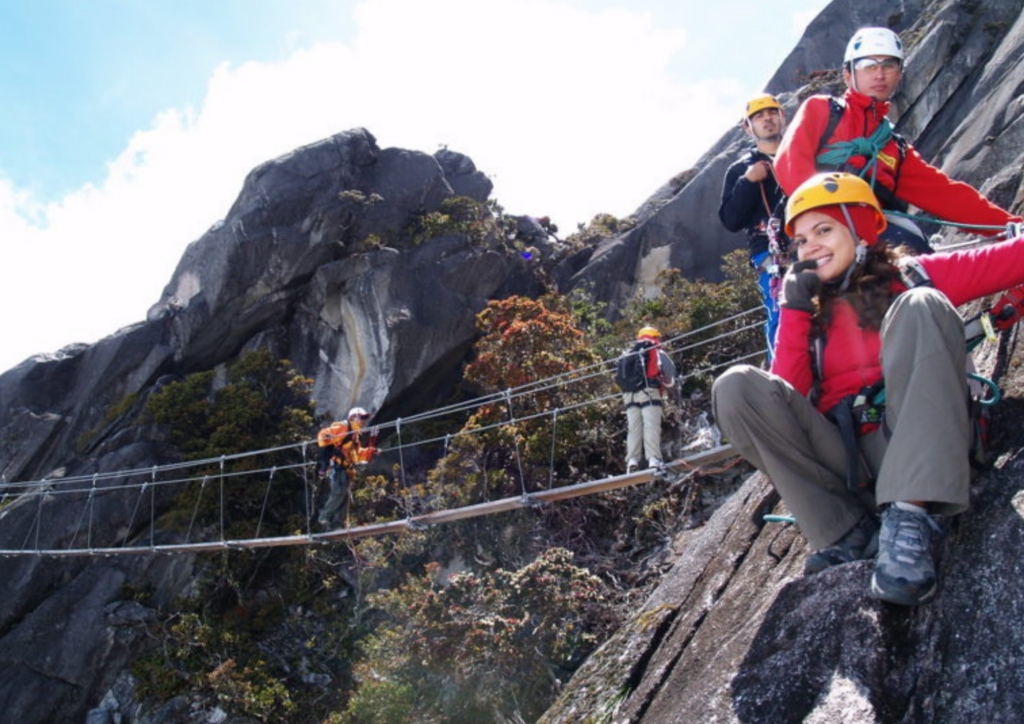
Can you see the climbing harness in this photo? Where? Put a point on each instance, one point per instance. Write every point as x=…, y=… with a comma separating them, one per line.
x=837, y=154
x=777, y=254
x=775, y=262
x=864, y=411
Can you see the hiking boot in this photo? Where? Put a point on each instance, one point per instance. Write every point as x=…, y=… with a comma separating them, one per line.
x=905, y=572
x=860, y=542
x=631, y=465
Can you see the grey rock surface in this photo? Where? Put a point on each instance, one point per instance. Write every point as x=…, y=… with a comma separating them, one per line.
x=959, y=103
x=383, y=325
x=734, y=633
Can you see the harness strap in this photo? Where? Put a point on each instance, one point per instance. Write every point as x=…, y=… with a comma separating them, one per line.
x=842, y=416
x=853, y=415
x=649, y=403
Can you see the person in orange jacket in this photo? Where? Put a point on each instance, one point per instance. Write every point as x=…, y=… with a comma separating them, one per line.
x=341, y=451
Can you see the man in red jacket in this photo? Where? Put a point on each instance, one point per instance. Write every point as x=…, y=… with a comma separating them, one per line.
x=854, y=134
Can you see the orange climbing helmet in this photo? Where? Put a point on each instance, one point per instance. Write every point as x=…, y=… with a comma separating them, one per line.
x=833, y=189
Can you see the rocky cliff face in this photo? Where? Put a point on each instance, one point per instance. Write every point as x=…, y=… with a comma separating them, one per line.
x=313, y=260
x=309, y=262
x=960, y=101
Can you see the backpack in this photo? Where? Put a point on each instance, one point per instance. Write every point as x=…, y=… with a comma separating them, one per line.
x=631, y=371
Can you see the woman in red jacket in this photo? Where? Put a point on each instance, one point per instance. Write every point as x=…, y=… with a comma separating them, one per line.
x=845, y=297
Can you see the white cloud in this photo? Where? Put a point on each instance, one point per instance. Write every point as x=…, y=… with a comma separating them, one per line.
x=571, y=112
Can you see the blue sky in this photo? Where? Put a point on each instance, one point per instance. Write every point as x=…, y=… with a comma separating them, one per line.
x=127, y=126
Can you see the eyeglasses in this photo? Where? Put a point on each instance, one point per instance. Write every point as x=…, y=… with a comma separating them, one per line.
x=888, y=65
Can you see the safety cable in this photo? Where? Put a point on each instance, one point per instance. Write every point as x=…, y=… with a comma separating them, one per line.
x=534, y=387
x=223, y=474
x=266, y=497
x=932, y=219
x=195, y=510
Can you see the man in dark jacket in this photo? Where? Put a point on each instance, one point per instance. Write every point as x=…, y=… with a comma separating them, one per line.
x=751, y=197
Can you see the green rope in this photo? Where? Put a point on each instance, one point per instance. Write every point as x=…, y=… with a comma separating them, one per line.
x=779, y=519
x=997, y=394
x=840, y=152
x=942, y=222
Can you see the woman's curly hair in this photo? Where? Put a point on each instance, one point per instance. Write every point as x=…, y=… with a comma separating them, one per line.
x=870, y=293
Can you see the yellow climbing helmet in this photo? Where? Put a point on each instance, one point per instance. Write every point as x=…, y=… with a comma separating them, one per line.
x=760, y=102
x=832, y=189
x=649, y=332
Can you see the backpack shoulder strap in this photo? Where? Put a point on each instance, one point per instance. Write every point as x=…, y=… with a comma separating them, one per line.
x=836, y=108
x=902, y=144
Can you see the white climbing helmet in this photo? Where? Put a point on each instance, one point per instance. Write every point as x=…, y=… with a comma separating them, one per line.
x=873, y=41
x=358, y=413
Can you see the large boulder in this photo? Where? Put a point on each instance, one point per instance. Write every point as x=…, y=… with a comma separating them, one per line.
x=314, y=260
x=736, y=633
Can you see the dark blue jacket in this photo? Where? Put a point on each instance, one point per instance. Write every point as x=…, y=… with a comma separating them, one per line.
x=743, y=206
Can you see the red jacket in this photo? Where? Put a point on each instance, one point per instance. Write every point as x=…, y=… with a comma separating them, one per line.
x=852, y=358
x=917, y=182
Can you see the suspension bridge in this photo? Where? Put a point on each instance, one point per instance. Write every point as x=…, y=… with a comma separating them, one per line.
x=140, y=496
x=32, y=505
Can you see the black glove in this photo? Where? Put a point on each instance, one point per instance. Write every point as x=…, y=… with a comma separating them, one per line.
x=799, y=286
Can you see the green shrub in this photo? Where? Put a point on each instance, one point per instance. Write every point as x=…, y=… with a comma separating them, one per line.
x=484, y=643
x=455, y=215
x=380, y=702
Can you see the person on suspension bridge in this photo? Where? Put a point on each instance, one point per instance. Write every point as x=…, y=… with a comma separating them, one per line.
x=854, y=134
x=342, y=450
x=644, y=373
x=752, y=200
x=857, y=315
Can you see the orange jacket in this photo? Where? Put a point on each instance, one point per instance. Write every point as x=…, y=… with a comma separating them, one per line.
x=348, y=448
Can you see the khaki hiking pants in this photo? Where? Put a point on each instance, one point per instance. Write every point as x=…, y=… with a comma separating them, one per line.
x=643, y=416
x=920, y=454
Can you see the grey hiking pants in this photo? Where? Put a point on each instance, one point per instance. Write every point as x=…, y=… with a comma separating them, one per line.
x=643, y=418
x=338, y=497
x=922, y=453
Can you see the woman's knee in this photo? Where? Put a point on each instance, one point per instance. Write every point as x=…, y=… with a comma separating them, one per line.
x=926, y=301
x=923, y=304
x=733, y=387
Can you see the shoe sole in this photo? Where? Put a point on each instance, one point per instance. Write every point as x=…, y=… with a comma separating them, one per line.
x=902, y=598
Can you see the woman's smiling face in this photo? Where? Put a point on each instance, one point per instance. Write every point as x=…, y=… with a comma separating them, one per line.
x=819, y=237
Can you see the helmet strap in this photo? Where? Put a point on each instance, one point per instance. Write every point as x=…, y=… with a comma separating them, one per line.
x=860, y=252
